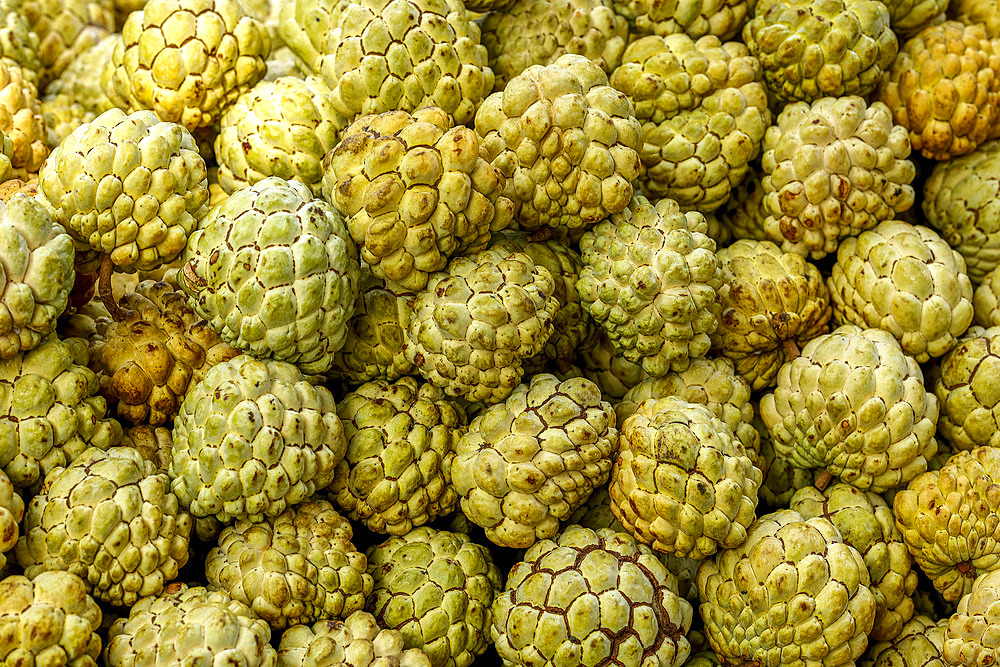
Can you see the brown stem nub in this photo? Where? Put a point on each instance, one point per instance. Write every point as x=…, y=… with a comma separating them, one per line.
x=823, y=480
x=791, y=349
x=104, y=289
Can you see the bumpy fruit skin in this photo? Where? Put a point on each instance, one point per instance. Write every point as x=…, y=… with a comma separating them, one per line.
x=966, y=387
x=21, y=118
x=253, y=438
x=722, y=18
x=49, y=620
x=357, y=641
x=148, y=360
x=986, y=300
x=401, y=439
x=78, y=95
x=395, y=55
x=591, y=598
x=683, y=482
x=609, y=369
x=650, y=279
x=906, y=280
x=528, y=463
x=274, y=271
x=832, y=169
x=567, y=143
x=65, y=30
x=277, y=128
x=188, y=60
x=376, y=334
x=18, y=42
x=11, y=511
x=773, y=302
x=744, y=212
x=476, y=321
x=855, y=404
x=36, y=261
x=971, y=638
x=435, y=588
x=703, y=110
x=909, y=16
x=918, y=644
x=709, y=382
x=190, y=624
x=948, y=518
x=415, y=190
x=297, y=567
x=537, y=32
x=131, y=186
x=793, y=574
x=781, y=478
x=944, y=88
x=50, y=412
x=962, y=202
x=111, y=519
x=867, y=523
x=820, y=48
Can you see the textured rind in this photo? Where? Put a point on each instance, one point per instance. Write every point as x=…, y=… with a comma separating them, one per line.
x=855, y=404
x=275, y=273
x=773, y=303
x=21, y=118
x=781, y=478
x=950, y=522
x=909, y=16
x=36, y=262
x=215, y=51
x=962, y=202
x=832, y=169
x=65, y=29
x=608, y=369
x=476, y=321
x=528, y=463
x=414, y=190
x=683, y=483
x=810, y=49
x=966, y=385
x=722, y=18
x=253, y=438
x=190, y=624
x=50, y=620
x=971, y=638
x=703, y=109
x=986, y=300
x=147, y=360
x=867, y=523
x=277, y=128
x=111, y=519
x=18, y=42
x=537, y=32
x=906, y=280
x=590, y=598
x=131, y=186
x=944, y=88
x=566, y=141
x=297, y=567
x=918, y=644
x=50, y=412
x=435, y=588
x=357, y=641
x=398, y=55
x=794, y=594
x=11, y=512
x=710, y=382
x=78, y=96
x=744, y=213
x=650, y=279
x=401, y=437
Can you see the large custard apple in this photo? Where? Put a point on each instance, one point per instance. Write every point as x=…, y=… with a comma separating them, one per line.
x=65, y=29
x=528, y=463
x=832, y=169
x=567, y=143
x=110, y=518
x=187, y=60
x=795, y=593
x=703, y=109
x=683, y=483
x=436, y=588
x=918, y=644
x=855, y=404
x=414, y=190
x=722, y=18
x=591, y=597
x=971, y=637
x=21, y=119
x=967, y=385
x=18, y=41
x=131, y=186
x=357, y=641
x=253, y=438
x=274, y=271
x=651, y=279
x=78, y=95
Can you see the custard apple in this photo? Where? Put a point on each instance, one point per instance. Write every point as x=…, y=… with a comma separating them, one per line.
x=357, y=641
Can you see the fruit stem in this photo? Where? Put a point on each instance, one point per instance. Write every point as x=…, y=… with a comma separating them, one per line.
x=791, y=349
x=104, y=289
x=823, y=480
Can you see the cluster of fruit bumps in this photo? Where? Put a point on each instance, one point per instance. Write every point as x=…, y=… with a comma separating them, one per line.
x=431, y=333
